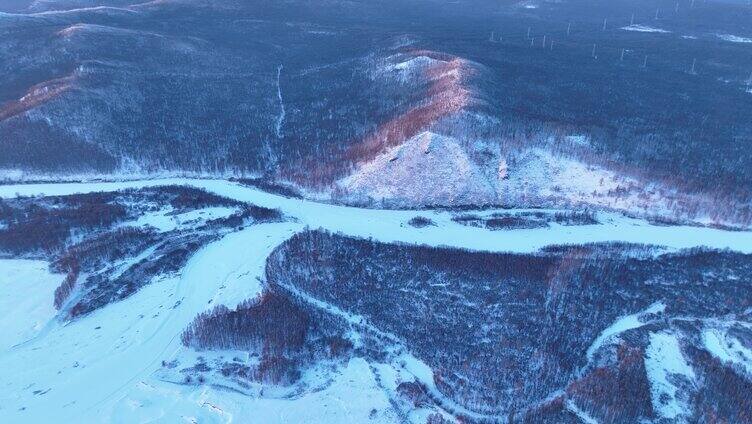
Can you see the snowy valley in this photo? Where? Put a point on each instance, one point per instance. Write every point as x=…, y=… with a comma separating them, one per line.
x=291, y=329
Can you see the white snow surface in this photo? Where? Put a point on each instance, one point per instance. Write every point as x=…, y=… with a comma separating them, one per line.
x=89, y=370
x=665, y=365
x=527, y=4
x=433, y=169
x=727, y=348
x=427, y=169
x=734, y=38
x=95, y=9
x=416, y=63
x=101, y=368
x=623, y=324
x=167, y=220
x=348, y=399
x=539, y=177
x=26, y=299
x=644, y=28
x=412, y=68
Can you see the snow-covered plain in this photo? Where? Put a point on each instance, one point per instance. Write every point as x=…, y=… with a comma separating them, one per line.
x=26, y=290
x=87, y=367
x=101, y=368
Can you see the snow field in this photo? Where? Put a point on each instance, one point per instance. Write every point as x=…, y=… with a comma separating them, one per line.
x=26, y=291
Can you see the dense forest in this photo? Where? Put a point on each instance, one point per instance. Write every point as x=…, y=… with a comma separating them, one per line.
x=468, y=315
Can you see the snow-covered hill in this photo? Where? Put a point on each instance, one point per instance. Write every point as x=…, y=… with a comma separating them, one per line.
x=428, y=169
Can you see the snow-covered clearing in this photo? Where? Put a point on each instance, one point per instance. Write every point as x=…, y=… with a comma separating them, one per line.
x=727, y=348
x=625, y=323
x=348, y=399
x=734, y=38
x=412, y=68
x=665, y=365
x=166, y=219
x=644, y=28
x=527, y=4
x=26, y=291
x=101, y=368
x=541, y=177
